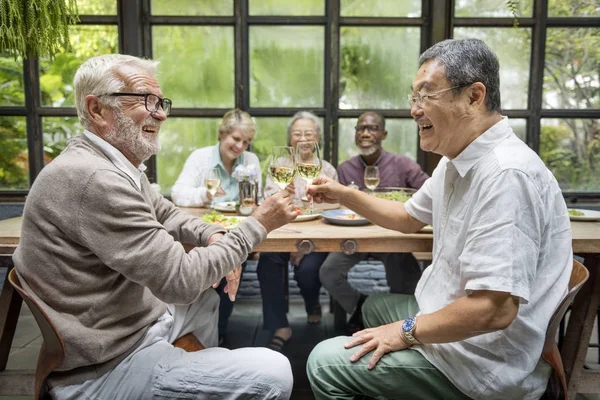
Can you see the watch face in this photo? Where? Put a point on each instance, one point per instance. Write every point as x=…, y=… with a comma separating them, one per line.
x=408, y=324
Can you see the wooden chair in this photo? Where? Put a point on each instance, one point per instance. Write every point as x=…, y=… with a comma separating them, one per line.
x=52, y=352
x=557, y=385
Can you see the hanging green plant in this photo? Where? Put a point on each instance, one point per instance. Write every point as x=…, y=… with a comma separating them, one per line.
x=513, y=6
x=36, y=28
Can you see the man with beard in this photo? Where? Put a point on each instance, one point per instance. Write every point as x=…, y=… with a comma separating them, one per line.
x=401, y=269
x=102, y=253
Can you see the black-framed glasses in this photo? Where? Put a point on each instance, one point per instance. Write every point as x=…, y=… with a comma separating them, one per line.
x=419, y=98
x=369, y=127
x=151, y=101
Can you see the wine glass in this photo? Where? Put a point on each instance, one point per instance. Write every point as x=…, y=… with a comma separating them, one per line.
x=308, y=164
x=282, y=167
x=212, y=181
x=372, y=177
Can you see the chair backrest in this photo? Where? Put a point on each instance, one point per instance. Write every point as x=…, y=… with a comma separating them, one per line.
x=52, y=352
x=557, y=386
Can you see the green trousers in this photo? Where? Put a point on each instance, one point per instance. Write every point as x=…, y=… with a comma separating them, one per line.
x=402, y=374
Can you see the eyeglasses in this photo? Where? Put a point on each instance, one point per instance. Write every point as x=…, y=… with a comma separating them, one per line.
x=419, y=98
x=151, y=101
x=307, y=134
x=370, y=127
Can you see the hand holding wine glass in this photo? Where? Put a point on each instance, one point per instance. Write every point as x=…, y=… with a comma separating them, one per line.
x=372, y=177
x=212, y=182
x=308, y=163
x=282, y=167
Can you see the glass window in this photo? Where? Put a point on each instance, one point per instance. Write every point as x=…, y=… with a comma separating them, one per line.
x=197, y=64
x=402, y=138
x=493, y=8
x=11, y=81
x=573, y=8
x=571, y=78
x=286, y=7
x=14, y=158
x=571, y=150
x=514, y=70
x=57, y=130
x=56, y=76
x=375, y=72
x=380, y=8
x=179, y=137
x=286, y=66
x=192, y=7
x=519, y=126
x=97, y=7
x=269, y=132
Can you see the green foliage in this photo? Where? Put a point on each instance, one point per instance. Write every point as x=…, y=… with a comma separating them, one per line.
x=192, y=7
x=13, y=157
x=286, y=7
x=35, y=28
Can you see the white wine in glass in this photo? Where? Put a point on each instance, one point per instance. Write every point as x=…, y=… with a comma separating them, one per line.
x=282, y=167
x=372, y=177
x=308, y=163
x=212, y=181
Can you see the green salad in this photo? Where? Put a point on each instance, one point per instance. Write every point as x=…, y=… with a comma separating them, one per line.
x=216, y=218
x=396, y=195
x=576, y=213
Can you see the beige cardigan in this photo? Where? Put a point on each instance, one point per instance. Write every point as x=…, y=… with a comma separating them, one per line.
x=103, y=258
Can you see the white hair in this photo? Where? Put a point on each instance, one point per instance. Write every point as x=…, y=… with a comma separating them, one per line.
x=304, y=115
x=98, y=75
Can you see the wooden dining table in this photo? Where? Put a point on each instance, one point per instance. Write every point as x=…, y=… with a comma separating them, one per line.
x=318, y=235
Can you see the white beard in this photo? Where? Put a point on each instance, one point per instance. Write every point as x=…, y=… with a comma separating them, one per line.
x=367, y=152
x=126, y=135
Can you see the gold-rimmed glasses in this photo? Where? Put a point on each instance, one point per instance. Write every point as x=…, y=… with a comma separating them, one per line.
x=418, y=98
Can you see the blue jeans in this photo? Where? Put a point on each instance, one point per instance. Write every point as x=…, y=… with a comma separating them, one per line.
x=226, y=305
x=271, y=273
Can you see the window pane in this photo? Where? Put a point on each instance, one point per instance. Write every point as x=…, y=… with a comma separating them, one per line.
x=178, y=138
x=14, y=167
x=57, y=130
x=514, y=71
x=286, y=66
x=56, y=77
x=380, y=8
x=571, y=150
x=492, y=8
x=97, y=7
x=196, y=68
x=11, y=82
x=287, y=7
x=402, y=138
x=269, y=132
x=573, y=8
x=375, y=72
x=571, y=78
x=519, y=126
x=192, y=7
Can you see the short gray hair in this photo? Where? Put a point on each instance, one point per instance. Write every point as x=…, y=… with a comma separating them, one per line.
x=98, y=75
x=467, y=61
x=304, y=115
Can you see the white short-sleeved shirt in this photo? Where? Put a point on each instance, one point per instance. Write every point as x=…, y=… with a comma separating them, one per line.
x=500, y=223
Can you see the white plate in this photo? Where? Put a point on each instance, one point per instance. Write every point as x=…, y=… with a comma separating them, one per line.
x=427, y=229
x=307, y=217
x=225, y=206
x=341, y=217
x=588, y=215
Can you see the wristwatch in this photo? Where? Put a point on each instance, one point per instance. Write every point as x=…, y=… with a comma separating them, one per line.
x=408, y=328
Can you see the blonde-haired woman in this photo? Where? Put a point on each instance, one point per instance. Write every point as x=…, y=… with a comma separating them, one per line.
x=236, y=131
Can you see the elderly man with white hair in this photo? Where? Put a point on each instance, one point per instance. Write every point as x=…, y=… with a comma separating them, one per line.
x=135, y=311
